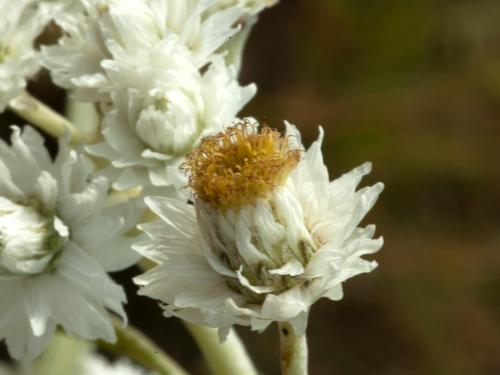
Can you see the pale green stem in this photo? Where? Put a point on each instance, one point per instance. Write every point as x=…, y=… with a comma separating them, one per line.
x=83, y=115
x=293, y=351
x=135, y=345
x=227, y=358
x=63, y=356
x=42, y=116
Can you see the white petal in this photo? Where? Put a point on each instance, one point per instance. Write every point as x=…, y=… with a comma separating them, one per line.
x=254, y=288
x=291, y=268
x=38, y=302
x=46, y=190
x=7, y=186
x=76, y=207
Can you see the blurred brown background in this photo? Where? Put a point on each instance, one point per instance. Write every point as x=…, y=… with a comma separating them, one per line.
x=413, y=86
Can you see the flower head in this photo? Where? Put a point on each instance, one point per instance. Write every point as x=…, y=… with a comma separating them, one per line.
x=58, y=240
x=267, y=236
x=76, y=62
x=162, y=107
x=32, y=237
x=21, y=21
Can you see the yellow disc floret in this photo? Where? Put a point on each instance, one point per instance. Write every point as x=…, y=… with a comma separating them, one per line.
x=240, y=165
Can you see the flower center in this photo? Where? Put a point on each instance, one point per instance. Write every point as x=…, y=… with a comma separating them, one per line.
x=169, y=123
x=236, y=167
x=31, y=238
x=161, y=104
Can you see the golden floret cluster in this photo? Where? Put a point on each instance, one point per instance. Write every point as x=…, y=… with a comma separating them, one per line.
x=240, y=165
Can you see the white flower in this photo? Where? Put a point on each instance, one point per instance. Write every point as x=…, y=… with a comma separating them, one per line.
x=267, y=236
x=58, y=240
x=76, y=62
x=21, y=21
x=170, y=108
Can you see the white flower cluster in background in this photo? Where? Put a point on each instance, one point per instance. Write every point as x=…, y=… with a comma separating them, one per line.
x=157, y=69
x=268, y=234
x=162, y=74
x=104, y=26
x=171, y=106
x=58, y=240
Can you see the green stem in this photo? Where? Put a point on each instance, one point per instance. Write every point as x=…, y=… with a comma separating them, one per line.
x=228, y=358
x=83, y=115
x=293, y=351
x=63, y=356
x=42, y=116
x=133, y=344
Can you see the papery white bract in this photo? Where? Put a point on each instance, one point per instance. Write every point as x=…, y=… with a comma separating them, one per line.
x=267, y=236
x=76, y=62
x=21, y=21
x=58, y=240
x=162, y=107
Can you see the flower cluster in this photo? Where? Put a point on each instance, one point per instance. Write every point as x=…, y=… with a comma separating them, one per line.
x=157, y=70
x=250, y=231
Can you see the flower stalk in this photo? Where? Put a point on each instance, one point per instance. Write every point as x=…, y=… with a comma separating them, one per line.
x=293, y=351
x=45, y=118
x=136, y=346
x=63, y=356
x=226, y=358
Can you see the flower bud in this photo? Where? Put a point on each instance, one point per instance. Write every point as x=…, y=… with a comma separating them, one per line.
x=31, y=238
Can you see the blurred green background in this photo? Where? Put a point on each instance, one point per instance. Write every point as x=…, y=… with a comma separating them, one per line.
x=413, y=86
